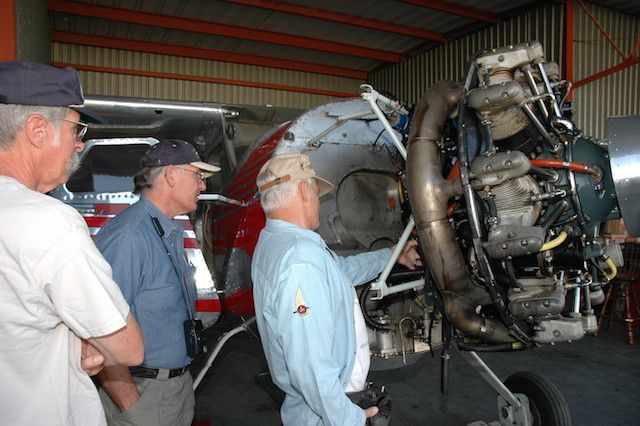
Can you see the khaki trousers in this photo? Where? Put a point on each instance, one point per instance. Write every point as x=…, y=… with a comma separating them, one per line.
x=163, y=402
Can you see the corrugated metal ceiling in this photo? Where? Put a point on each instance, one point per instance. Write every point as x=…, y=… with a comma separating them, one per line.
x=104, y=23
x=269, y=29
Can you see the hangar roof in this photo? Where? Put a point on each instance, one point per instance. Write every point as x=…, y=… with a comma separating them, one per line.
x=334, y=37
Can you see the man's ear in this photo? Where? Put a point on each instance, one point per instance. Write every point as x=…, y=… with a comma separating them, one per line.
x=304, y=190
x=170, y=175
x=37, y=129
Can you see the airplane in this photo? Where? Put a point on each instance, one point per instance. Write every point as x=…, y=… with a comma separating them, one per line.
x=506, y=196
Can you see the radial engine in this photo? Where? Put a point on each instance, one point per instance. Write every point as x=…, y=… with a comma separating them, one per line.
x=509, y=198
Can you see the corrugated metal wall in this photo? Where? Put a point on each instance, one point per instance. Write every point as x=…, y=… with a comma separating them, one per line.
x=411, y=78
x=617, y=94
x=111, y=84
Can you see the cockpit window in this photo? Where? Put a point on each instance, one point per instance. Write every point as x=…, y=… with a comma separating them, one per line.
x=107, y=168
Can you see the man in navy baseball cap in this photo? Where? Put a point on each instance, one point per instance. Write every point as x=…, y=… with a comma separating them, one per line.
x=62, y=312
x=174, y=152
x=145, y=246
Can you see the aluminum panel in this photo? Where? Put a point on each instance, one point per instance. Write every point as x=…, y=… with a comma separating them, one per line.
x=624, y=151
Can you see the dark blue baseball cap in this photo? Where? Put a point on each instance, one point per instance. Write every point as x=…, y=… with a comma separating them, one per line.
x=32, y=83
x=169, y=152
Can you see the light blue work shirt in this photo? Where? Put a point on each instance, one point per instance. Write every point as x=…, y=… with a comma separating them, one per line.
x=148, y=280
x=304, y=300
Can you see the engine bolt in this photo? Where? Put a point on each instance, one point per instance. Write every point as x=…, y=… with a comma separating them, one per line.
x=524, y=243
x=546, y=303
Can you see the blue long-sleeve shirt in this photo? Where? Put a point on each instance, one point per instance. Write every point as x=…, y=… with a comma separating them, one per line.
x=304, y=299
x=148, y=279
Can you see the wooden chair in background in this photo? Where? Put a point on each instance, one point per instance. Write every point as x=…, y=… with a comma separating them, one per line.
x=623, y=288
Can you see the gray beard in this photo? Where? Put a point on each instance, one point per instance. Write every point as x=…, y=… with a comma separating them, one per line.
x=73, y=164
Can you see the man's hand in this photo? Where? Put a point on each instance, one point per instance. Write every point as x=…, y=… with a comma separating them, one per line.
x=119, y=385
x=409, y=256
x=91, y=360
x=371, y=411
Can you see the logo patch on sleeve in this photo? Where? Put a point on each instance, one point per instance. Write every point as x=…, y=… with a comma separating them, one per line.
x=301, y=305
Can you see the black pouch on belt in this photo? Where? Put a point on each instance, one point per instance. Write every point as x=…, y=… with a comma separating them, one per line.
x=374, y=396
x=194, y=337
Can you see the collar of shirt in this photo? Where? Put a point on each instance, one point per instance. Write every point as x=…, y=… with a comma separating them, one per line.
x=169, y=226
x=277, y=225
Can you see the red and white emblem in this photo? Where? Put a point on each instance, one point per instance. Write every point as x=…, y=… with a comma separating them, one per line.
x=301, y=306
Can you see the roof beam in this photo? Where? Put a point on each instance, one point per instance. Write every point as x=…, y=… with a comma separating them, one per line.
x=209, y=54
x=326, y=15
x=202, y=79
x=8, y=36
x=611, y=70
x=456, y=9
x=192, y=25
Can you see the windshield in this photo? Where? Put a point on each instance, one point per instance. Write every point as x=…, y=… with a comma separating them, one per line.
x=107, y=168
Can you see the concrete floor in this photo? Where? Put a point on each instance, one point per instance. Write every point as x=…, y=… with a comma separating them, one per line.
x=599, y=377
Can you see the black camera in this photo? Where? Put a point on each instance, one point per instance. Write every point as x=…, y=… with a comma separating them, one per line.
x=374, y=396
x=194, y=337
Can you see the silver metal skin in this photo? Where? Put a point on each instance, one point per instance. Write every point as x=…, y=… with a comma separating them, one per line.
x=428, y=195
x=624, y=151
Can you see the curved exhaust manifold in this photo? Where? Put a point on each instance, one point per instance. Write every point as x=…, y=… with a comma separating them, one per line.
x=429, y=193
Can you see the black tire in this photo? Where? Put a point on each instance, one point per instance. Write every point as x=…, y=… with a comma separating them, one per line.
x=547, y=404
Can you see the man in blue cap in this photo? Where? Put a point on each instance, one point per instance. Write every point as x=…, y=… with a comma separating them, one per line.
x=145, y=248
x=60, y=311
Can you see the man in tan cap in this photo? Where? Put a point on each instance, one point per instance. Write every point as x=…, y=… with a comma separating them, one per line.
x=310, y=322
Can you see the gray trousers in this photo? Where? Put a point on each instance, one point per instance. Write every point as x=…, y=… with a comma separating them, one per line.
x=162, y=402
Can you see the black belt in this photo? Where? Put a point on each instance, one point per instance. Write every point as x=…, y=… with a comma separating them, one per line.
x=154, y=373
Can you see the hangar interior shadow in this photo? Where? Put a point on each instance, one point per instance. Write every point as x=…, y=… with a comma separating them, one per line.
x=599, y=377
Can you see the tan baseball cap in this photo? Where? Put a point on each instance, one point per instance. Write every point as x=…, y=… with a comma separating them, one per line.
x=288, y=167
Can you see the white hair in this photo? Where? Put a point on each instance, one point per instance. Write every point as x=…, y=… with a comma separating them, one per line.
x=13, y=118
x=281, y=195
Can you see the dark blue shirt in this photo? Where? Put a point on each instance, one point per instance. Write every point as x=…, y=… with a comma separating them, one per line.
x=148, y=280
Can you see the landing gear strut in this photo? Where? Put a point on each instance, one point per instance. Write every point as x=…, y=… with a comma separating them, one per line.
x=525, y=398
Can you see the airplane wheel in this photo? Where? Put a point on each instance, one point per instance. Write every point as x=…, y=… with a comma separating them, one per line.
x=546, y=402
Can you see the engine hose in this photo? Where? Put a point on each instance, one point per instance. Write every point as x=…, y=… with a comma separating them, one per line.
x=555, y=242
x=554, y=215
x=367, y=318
x=612, y=266
x=561, y=164
x=454, y=173
x=511, y=274
x=491, y=206
x=498, y=347
x=547, y=174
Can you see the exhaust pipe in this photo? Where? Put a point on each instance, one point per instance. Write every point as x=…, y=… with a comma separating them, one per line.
x=429, y=193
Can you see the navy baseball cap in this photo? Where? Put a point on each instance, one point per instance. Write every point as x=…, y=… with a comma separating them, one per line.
x=32, y=83
x=174, y=152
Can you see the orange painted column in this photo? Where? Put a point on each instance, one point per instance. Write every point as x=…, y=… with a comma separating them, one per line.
x=8, y=30
x=569, y=13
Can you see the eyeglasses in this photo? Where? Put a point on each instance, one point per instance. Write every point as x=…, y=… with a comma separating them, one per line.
x=80, y=130
x=198, y=173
